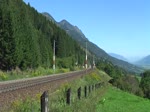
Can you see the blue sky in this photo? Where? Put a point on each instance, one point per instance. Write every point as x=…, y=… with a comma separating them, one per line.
x=116, y=26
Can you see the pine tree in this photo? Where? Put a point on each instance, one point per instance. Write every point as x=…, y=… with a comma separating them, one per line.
x=7, y=43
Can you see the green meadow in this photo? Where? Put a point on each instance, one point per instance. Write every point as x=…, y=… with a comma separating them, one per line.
x=115, y=100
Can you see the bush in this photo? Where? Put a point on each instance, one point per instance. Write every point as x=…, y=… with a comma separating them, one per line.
x=72, y=68
x=63, y=70
x=128, y=83
x=28, y=105
x=3, y=76
x=93, y=78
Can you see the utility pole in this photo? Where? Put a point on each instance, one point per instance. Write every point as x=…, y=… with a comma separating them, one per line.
x=86, y=57
x=54, y=57
x=93, y=62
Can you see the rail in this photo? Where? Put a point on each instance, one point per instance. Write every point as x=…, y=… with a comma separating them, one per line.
x=8, y=86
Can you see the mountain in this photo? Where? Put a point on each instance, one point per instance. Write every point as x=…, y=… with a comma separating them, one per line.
x=78, y=35
x=118, y=56
x=145, y=62
x=73, y=31
x=49, y=17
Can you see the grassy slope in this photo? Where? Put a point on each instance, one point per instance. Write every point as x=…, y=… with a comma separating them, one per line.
x=119, y=101
x=115, y=99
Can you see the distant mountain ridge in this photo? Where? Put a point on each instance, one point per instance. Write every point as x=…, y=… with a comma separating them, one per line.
x=144, y=62
x=77, y=34
x=118, y=56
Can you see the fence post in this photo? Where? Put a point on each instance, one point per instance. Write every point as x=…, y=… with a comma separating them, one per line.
x=89, y=89
x=68, y=96
x=95, y=86
x=99, y=85
x=92, y=87
x=79, y=93
x=85, y=91
x=44, y=102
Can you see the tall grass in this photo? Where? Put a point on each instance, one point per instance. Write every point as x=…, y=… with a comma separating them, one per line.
x=28, y=105
x=18, y=74
x=58, y=99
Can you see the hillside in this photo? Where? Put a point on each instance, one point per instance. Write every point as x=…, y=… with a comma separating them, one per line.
x=77, y=34
x=26, y=39
x=120, y=101
x=73, y=31
x=49, y=17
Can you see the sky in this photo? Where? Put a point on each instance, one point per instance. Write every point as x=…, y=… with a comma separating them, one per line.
x=116, y=26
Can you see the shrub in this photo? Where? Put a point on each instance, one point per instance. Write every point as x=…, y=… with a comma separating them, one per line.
x=128, y=83
x=3, y=76
x=28, y=105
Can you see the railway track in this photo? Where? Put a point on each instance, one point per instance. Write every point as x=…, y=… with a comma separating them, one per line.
x=9, y=86
x=11, y=91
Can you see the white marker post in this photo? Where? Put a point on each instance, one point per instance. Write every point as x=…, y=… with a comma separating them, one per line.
x=93, y=62
x=54, y=57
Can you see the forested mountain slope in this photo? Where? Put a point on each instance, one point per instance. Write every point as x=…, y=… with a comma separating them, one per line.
x=26, y=39
x=77, y=34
